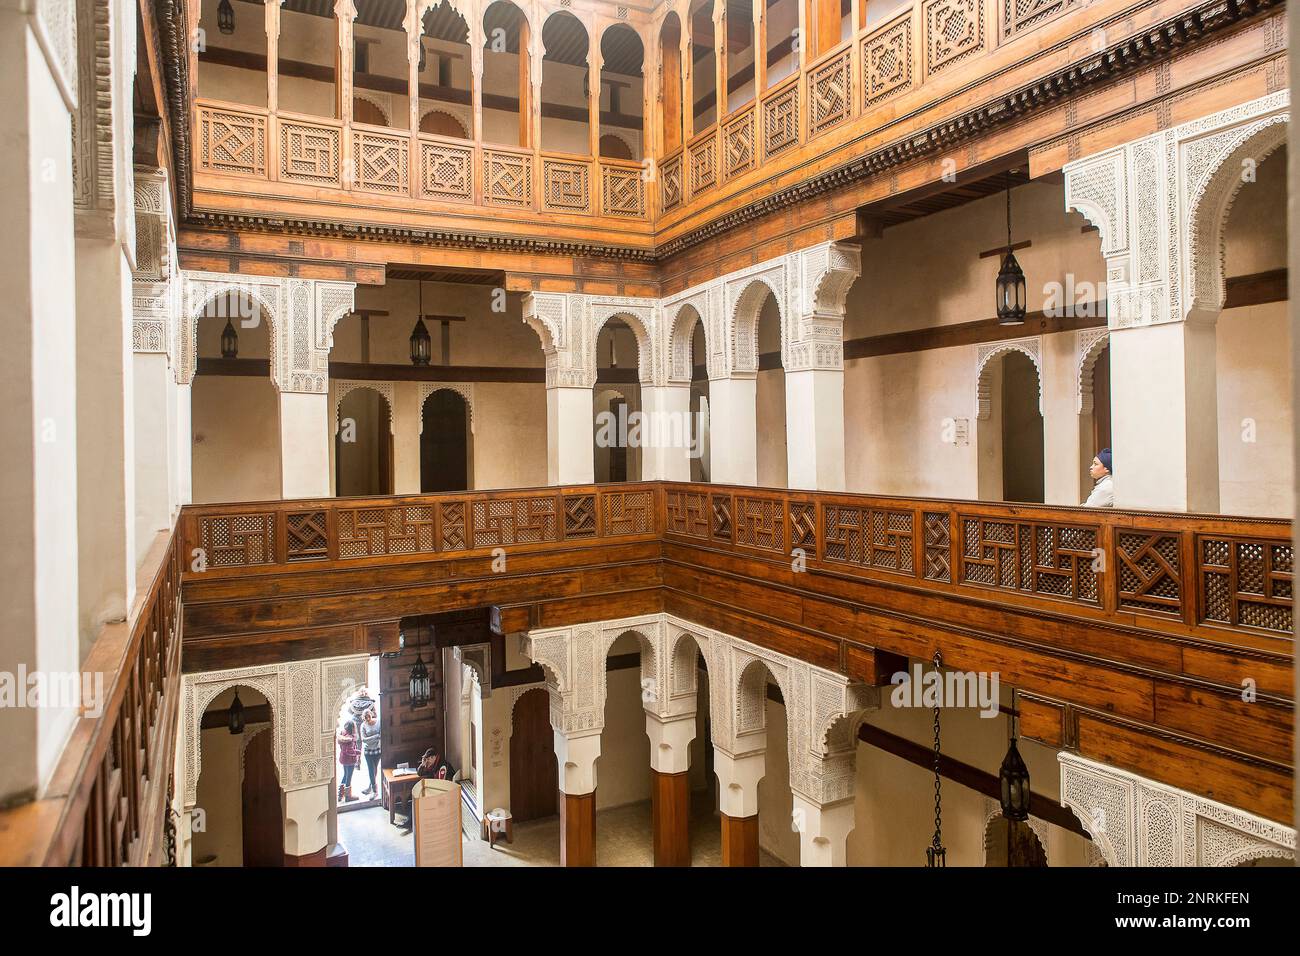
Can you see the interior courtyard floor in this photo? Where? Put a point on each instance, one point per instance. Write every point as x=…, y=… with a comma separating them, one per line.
x=623, y=838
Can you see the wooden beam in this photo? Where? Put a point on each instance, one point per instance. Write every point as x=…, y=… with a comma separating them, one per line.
x=968, y=776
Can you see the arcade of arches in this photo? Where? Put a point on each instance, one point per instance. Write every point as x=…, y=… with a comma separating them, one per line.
x=474, y=333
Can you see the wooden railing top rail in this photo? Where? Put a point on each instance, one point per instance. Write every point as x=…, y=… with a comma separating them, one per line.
x=116, y=758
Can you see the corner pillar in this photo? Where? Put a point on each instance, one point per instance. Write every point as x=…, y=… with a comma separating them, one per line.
x=738, y=778
x=570, y=435
x=576, y=758
x=670, y=789
x=823, y=831
x=304, y=445
x=306, y=825
x=733, y=430
x=666, y=432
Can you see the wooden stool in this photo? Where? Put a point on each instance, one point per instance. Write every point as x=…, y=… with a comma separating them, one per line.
x=498, y=823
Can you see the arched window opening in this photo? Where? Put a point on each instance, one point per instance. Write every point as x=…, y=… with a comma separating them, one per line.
x=566, y=80
x=740, y=54
x=507, y=80
x=380, y=68
x=234, y=407
x=1010, y=437
x=704, y=67
x=446, y=443
x=307, y=81
x=363, y=445
x=445, y=74
x=670, y=81
x=617, y=406
x=232, y=61
x=699, y=405
x=770, y=396
x=784, y=46
x=622, y=87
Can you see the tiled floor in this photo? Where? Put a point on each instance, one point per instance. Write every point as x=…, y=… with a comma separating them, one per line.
x=622, y=839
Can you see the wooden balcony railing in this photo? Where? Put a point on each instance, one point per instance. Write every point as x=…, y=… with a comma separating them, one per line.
x=1170, y=572
x=106, y=802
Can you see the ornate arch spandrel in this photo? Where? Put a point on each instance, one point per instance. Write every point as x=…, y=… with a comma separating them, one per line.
x=1032, y=348
x=342, y=389
x=427, y=389
x=1089, y=346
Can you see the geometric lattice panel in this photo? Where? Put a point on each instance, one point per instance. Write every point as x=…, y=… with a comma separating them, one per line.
x=887, y=61
x=688, y=514
x=954, y=30
x=1021, y=15
x=231, y=142
x=830, y=93
x=738, y=154
x=937, y=544
x=306, y=536
x=363, y=532
x=1035, y=557
x=760, y=523
x=781, y=122
x=876, y=538
x=237, y=541
x=382, y=162
x=566, y=187
x=622, y=191
x=501, y=521
x=446, y=172
x=1246, y=582
x=628, y=512
x=1148, y=568
x=309, y=153
x=507, y=179
x=704, y=164
x=670, y=183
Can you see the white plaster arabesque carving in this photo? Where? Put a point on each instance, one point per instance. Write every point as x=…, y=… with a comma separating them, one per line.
x=1134, y=821
x=300, y=314
x=1031, y=347
x=464, y=389
x=1088, y=348
x=153, y=280
x=342, y=388
x=300, y=694
x=1160, y=204
x=822, y=706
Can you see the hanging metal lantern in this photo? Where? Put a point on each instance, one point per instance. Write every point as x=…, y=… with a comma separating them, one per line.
x=1011, y=281
x=236, y=723
x=421, y=344
x=419, y=682
x=1014, y=776
x=935, y=854
x=229, y=341
x=225, y=17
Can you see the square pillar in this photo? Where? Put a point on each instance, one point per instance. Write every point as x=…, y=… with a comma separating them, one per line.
x=670, y=789
x=823, y=831
x=407, y=415
x=733, y=430
x=814, y=429
x=305, y=436
x=666, y=432
x=738, y=778
x=575, y=757
x=1164, y=417
x=570, y=436
x=1066, y=432
x=183, y=420
x=153, y=449
x=306, y=825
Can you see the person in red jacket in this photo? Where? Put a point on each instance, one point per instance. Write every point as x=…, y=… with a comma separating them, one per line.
x=349, y=758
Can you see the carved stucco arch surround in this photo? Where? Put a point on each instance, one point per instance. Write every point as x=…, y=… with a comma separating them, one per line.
x=811, y=289
x=568, y=323
x=1160, y=204
x=1138, y=822
x=1088, y=348
x=301, y=315
x=428, y=389
x=1031, y=348
x=304, y=697
x=343, y=388
x=821, y=705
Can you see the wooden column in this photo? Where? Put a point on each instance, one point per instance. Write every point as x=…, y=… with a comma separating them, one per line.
x=309, y=859
x=670, y=798
x=578, y=829
x=739, y=840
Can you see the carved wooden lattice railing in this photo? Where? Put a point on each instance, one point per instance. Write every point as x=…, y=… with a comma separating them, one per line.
x=1168, y=572
x=106, y=802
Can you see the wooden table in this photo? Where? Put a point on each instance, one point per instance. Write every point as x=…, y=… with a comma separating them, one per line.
x=397, y=789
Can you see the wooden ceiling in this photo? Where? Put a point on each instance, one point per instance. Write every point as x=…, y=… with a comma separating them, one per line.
x=460, y=277
x=941, y=196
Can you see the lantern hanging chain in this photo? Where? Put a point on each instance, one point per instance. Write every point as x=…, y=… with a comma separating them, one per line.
x=1008, y=214
x=936, y=853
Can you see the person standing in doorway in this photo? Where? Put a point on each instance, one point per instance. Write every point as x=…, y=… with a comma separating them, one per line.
x=349, y=757
x=1103, y=492
x=370, y=749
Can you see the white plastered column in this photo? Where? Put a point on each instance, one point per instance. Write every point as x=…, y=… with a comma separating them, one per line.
x=570, y=435
x=666, y=433
x=733, y=430
x=575, y=757
x=407, y=415
x=738, y=776
x=814, y=429
x=1159, y=204
x=670, y=741
x=304, y=445
x=823, y=831
x=306, y=820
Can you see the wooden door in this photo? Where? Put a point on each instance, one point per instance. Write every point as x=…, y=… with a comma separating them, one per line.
x=444, y=444
x=406, y=732
x=618, y=451
x=263, y=825
x=534, y=776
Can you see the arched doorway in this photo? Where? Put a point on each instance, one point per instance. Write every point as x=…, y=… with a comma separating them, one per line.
x=363, y=444
x=616, y=404
x=1009, y=431
x=700, y=469
x=237, y=819
x=769, y=390
x=445, y=443
x=235, y=408
x=623, y=769
x=446, y=75
x=534, y=774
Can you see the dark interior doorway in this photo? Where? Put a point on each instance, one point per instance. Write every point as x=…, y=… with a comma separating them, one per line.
x=444, y=443
x=263, y=822
x=534, y=780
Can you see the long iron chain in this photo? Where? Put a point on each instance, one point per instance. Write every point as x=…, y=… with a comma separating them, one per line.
x=935, y=856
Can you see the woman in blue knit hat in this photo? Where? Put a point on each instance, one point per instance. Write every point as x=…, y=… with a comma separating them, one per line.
x=1103, y=492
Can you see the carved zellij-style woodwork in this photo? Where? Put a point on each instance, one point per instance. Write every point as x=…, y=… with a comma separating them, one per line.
x=1132, y=636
